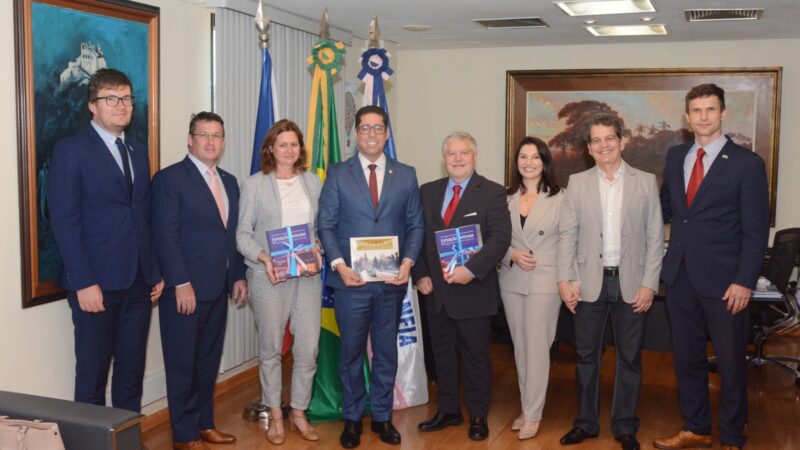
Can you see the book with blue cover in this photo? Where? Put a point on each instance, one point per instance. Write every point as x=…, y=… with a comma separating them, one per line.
x=292, y=252
x=457, y=245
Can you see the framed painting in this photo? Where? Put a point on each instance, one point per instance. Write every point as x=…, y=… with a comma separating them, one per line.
x=552, y=105
x=59, y=44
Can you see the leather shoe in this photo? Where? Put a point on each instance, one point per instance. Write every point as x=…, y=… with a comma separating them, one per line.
x=215, y=436
x=575, y=436
x=629, y=442
x=193, y=445
x=440, y=421
x=683, y=439
x=351, y=434
x=387, y=431
x=478, y=428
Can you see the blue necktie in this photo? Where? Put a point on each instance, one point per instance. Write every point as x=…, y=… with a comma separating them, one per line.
x=126, y=167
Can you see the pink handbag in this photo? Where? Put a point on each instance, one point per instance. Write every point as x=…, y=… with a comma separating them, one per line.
x=29, y=435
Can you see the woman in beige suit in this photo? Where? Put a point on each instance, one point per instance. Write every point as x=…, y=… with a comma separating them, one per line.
x=281, y=195
x=528, y=275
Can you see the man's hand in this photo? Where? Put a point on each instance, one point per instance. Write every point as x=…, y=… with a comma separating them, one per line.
x=737, y=297
x=157, y=290
x=184, y=299
x=402, y=276
x=525, y=260
x=239, y=293
x=643, y=300
x=90, y=299
x=460, y=275
x=425, y=285
x=570, y=294
x=349, y=276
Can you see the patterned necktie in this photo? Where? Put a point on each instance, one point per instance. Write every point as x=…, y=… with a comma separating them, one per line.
x=216, y=190
x=696, y=178
x=126, y=167
x=451, y=207
x=373, y=185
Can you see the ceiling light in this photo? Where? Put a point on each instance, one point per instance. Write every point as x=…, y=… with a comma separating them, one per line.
x=628, y=30
x=597, y=7
x=416, y=27
x=647, y=19
x=589, y=22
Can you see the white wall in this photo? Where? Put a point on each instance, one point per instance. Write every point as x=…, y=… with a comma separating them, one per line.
x=447, y=90
x=36, y=344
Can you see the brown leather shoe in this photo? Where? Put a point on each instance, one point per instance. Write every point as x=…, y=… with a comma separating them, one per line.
x=217, y=437
x=193, y=445
x=683, y=439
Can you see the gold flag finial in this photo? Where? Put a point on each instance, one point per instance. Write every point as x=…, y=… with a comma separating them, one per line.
x=262, y=25
x=374, y=33
x=324, y=26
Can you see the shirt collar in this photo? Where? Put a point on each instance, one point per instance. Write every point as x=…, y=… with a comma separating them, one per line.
x=617, y=175
x=107, y=137
x=380, y=162
x=463, y=184
x=201, y=166
x=712, y=149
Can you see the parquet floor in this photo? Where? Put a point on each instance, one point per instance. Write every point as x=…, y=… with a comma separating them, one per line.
x=773, y=399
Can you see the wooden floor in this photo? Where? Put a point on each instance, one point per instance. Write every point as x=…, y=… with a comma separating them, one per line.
x=774, y=410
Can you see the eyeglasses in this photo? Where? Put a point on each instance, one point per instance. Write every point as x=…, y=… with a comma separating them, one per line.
x=113, y=100
x=365, y=129
x=203, y=135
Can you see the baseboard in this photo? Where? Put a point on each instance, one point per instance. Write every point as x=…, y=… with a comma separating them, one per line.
x=161, y=416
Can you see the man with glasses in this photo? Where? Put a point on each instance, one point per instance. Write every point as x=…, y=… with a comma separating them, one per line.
x=369, y=195
x=99, y=188
x=195, y=212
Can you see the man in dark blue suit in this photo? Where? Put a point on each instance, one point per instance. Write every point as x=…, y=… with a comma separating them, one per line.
x=369, y=195
x=715, y=194
x=99, y=186
x=195, y=212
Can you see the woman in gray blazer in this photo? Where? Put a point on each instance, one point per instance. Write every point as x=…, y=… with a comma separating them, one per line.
x=281, y=195
x=528, y=276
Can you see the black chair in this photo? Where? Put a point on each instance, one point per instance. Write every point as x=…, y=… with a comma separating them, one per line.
x=774, y=317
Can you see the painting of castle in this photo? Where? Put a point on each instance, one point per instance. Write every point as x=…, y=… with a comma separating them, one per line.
x=84, y=66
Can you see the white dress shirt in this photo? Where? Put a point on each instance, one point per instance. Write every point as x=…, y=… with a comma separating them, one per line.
x=380, y=170
x=611, y=204
x=111, y=143
x=712, y=150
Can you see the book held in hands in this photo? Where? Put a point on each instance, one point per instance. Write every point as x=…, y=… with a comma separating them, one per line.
x=375, y=258
x=457, y=245
x=292, y=252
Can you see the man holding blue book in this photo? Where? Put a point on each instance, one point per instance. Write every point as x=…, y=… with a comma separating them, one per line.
x=466, y=296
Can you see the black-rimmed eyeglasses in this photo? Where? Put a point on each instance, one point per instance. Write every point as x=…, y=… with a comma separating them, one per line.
x=113, y=100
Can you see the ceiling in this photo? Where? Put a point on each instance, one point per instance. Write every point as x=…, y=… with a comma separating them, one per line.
x=452, y=26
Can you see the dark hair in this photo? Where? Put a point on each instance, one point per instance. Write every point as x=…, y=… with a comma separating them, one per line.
x=371, y=109
x=268, y=163
x=706, y=90
x=548, y=182
x=205, y=116
x=605, y=119
x=107, y=78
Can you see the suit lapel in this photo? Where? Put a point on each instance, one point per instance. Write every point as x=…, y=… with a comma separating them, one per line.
x=628, y=189
x=718, y=166
x=513, y=209
x=539, y=210
x=438, y=200
x=467, y=199
x=107, y=158
x=203, y=188
x=593, y=195
x=357, y=172
x=230, y=191
x=388, y=179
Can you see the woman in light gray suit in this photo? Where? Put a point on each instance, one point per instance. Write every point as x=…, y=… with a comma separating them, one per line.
x=281, y=195
x=529, y=275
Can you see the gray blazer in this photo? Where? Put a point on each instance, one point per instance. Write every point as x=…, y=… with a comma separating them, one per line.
x=580, y=246
x=260, y=210
x=539, y=235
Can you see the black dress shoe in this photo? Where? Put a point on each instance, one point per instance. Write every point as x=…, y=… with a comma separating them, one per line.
x=575, y=436
x=351, y=434
x=387, y=431
x=478, y=428
x=440, y=421
x=629, y=442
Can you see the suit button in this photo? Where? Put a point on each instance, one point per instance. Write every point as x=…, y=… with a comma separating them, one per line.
x=541, y=233
x=376, y=220
x=601, y=255
x=685, y=220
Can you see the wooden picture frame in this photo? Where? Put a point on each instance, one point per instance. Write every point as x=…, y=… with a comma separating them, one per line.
x=551, y=105
x=58, y=45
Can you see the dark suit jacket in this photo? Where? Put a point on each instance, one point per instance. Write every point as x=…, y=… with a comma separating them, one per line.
x=723, y=235
x=193, y=243
x=483, y=202
x=103, y=236
x=346, y=210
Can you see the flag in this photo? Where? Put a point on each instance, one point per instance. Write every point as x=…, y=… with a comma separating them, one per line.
x=266, y=110
x=411, y=381
x=323, y=140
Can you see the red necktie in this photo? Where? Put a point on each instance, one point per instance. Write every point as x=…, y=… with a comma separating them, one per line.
x=696, y=178
x=373, y=185
x=451, y=207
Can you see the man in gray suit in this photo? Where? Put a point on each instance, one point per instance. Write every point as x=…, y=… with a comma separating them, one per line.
x=611, y=243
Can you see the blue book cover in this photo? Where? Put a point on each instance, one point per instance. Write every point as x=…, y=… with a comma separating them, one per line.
x=292, y=252
x=457, y=245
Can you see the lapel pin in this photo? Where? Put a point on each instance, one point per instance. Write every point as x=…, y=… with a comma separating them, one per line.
x=724, y=156
x=390, y=171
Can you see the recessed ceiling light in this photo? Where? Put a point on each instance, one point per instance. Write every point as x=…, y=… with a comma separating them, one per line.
x=416, y=27
x=647, y=19
x=597, y=8
x=628, y=30
x=589, y=22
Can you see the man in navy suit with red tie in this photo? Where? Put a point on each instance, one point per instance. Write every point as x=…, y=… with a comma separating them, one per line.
x=99, y=185
x=715, y=194
x=195, y=212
